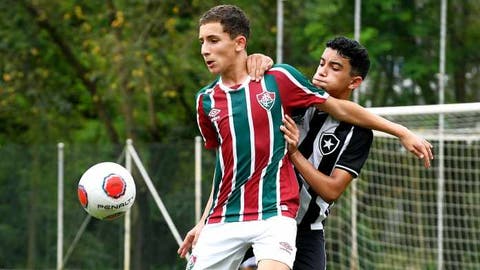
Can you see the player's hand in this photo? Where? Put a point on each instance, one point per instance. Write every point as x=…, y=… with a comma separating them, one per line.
x=257, y=64
x=418, y=146
x=291, y=134
x=190, y=240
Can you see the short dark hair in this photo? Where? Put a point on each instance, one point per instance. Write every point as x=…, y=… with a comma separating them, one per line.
x=232, y=18
x=354, y=52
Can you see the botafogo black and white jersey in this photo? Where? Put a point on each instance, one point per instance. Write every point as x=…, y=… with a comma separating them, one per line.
x=327, y=144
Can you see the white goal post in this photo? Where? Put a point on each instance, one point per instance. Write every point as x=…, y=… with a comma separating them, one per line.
x=404, y=215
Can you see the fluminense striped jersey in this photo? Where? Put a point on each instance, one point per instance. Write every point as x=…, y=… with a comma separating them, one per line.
x=327, y=144
x=253, y=179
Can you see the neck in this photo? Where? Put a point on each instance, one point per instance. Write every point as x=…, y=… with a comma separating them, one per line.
x=346, y=95
x=237, y=72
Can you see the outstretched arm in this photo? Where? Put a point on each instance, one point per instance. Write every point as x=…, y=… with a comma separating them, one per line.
x=353, y=113
x=350, y=112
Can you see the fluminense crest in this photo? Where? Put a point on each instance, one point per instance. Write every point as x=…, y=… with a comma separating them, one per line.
x=266, y=99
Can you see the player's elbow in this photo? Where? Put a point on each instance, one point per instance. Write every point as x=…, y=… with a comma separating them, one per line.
x=331, y=196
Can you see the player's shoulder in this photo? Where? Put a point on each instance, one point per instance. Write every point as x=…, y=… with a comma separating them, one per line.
x=288, y=72
x=357, y=129
x=364, y=132
x=208, y=87
x=284, y=68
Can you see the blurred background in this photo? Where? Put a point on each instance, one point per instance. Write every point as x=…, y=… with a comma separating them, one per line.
x=92, y=74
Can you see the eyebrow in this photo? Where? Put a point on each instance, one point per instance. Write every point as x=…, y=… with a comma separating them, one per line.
x=208, y=37
x=332, y=62
x=337, y=63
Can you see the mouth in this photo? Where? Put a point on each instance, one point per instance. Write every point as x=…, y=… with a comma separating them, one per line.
x=209, y=63
x=318, y=82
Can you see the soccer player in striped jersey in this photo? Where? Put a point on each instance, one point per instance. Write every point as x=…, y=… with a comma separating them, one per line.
x=254, y=197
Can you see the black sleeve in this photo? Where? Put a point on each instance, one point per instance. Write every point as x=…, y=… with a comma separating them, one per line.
x=356, y=152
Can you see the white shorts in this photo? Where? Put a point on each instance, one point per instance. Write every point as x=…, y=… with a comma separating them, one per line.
x=223, y=245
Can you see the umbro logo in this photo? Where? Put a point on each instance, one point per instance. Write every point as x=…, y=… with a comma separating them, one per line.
x=328, y=143
x=286, y=247
x=214, y=114
x=191, y=262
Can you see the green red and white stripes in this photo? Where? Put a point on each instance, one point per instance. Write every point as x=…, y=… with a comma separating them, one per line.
x=253, y=177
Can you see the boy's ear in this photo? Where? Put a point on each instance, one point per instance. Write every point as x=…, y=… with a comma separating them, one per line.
x=355, y=82
x=241, y=42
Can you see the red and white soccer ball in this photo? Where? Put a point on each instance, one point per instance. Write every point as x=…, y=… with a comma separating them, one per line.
x=106, y=190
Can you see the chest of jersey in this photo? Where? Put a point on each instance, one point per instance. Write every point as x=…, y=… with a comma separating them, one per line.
x=242, y=114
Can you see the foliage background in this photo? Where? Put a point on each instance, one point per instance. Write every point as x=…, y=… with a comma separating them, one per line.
x=94, y=73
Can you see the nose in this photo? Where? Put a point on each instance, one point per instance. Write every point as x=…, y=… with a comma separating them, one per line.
x=204, y=49
x=321, y=71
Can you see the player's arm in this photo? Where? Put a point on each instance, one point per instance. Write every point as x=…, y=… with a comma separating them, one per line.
x=328, y=187
x=192, y=236
x=353, y=113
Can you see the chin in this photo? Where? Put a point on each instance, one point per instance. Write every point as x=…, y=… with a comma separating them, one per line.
x=320, y=85
x=214, y=71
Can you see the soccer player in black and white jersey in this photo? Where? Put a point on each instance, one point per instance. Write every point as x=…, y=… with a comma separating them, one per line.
x=326, y=153
x=330, y=153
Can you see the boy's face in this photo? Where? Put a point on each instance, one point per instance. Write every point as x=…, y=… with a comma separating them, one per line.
x=333, y=74
x=217, y=47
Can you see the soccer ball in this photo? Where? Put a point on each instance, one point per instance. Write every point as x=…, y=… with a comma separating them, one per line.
x=106, y=190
